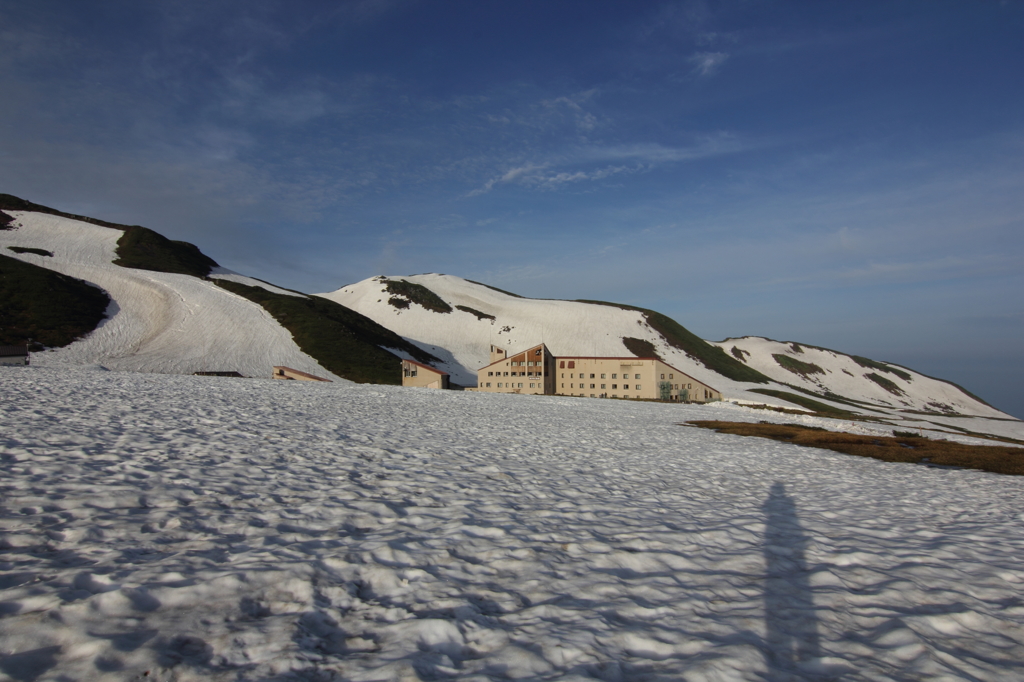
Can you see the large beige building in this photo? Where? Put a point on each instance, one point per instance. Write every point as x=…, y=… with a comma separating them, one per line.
x=531, y=371
x=536, y=371
x=422, y=376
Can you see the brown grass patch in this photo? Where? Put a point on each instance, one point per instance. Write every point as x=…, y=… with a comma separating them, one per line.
x=913, y=450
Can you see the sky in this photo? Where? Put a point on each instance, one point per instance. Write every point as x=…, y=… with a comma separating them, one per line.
x=847, y=175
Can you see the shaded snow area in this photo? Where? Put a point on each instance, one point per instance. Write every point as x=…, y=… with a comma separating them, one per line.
x=157, y=322
x=211, y=528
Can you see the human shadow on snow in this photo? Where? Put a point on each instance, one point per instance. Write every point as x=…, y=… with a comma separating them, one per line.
x=791, y=624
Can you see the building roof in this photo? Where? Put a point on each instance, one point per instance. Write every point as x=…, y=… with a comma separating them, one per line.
x=432, y=369
x=508, y=356
x=10, y=351
x=301, y=373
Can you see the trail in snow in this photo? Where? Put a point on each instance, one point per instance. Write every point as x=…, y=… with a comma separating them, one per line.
x=160, y=322
x=205, y=528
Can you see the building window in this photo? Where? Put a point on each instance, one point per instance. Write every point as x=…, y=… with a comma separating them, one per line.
x=614, y=386
x=602, y=376
x=572, y=364
x=591, y=395
x=591, y=376
x=662, y=376
x=636, y=387
x=520, y=384
x=602, y=385
x=490, y=374
x=625, y=387
x=689, y=385
x=615, y=376
x=592, y=386
x=625, y=396
x=499, y=384
x=670, y=376
x=531, y=386
x=637, y=376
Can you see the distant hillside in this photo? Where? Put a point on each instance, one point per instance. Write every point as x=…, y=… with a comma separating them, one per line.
x=175, y=309
x=458, y=320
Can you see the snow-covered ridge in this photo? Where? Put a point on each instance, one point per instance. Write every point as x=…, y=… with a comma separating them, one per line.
x=877, y=384
x=157, y=322
x=463, y=340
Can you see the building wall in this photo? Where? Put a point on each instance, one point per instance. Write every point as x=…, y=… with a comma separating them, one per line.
x=633, y=378
x=529, y=372
x=419, y=376
x=14, y=360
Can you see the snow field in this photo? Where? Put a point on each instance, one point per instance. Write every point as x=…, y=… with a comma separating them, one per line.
x=211, y=528
x=157, y=322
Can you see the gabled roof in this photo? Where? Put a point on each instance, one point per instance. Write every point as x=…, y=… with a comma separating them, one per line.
x=510, y=356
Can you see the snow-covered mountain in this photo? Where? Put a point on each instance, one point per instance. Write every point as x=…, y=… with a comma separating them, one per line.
x=174, y=323
x=473, y=316
x=157, y=322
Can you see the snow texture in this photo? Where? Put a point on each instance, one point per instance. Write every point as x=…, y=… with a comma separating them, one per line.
x=158, y=322
x=177, y=527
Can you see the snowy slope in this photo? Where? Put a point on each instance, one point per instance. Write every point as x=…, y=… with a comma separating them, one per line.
x=463, y=340
x=841, y=374
x=158, y=322
x=573, y=328
x=182, y=528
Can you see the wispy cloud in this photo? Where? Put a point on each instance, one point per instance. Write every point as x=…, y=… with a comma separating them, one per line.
x=707, y=63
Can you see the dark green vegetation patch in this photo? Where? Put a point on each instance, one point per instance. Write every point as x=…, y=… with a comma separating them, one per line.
x=804, y=369
x=884, y=383
x=474, y=311
x=50, y=308
x=343, y=341
x=640, y=347
x=903, y=448
x=400, y=303
x=739, y=354
x=144, y=249
x=712, y=357
x=5, y=221
x=880, y=366
x=417, y=293
x=802, y=401
x=29, y=249
x=9, y=202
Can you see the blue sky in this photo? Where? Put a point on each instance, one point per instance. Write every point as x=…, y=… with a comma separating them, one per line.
x=843, y=174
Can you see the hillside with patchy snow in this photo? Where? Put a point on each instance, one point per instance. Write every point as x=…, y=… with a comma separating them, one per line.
x=474, y=316
x=157, y=322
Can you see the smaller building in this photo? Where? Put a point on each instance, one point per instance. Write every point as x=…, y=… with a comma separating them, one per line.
x=422, y=376
x=289, y=374
x=14, y=355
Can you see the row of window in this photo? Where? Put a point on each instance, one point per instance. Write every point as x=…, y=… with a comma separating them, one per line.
x=515, y=374
x=529, y=363
x=583, y=375
x=509, y=384
x=625, y=387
